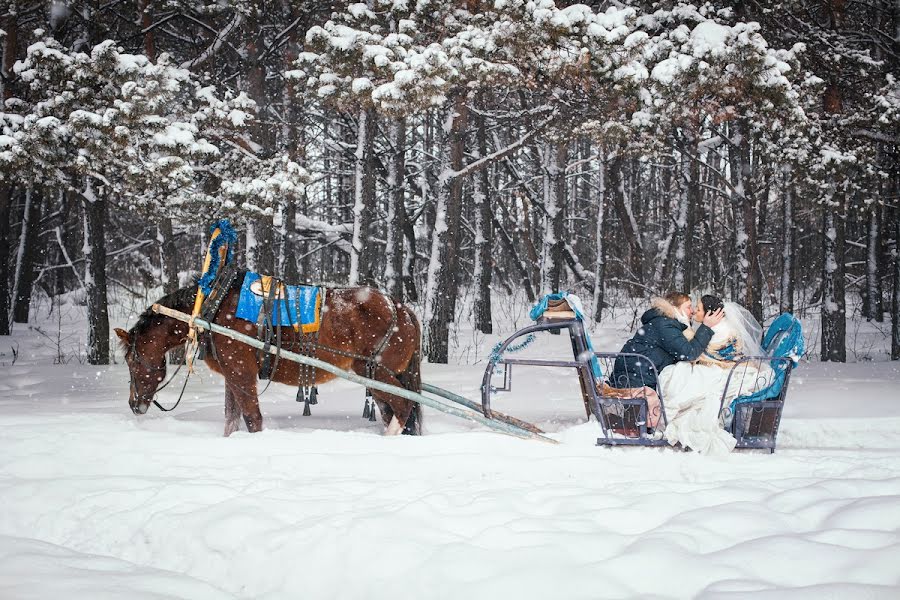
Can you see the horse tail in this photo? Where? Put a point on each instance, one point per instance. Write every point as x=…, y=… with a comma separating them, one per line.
x=411, y=378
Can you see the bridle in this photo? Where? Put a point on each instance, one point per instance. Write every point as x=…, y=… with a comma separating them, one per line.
x=152, y=369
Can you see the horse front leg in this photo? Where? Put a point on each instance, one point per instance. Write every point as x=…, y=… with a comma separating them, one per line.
x=232, y=411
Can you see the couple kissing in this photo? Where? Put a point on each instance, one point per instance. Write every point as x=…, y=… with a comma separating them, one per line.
x=693, y=366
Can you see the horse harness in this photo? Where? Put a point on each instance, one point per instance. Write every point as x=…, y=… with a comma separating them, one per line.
x=269, y=330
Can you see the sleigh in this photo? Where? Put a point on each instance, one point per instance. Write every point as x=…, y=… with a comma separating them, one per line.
x=633, y=413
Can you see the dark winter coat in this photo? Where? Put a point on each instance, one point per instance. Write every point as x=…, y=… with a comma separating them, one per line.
x=661, y=339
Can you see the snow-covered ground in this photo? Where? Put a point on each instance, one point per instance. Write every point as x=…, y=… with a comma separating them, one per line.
x=98, y=503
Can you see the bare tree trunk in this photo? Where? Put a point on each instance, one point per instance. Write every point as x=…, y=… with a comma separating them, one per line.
x=895, y=303
x=629, y=224
x=94, y=205
x=396, y=214
x=681, y=257
x=441, y=289
x=168, y=255
x=263, y=133
x=23, y=281
x=10, y=42
x=692, y=260
x=554, y=241
x=5, y=295
x=746, y=246
x=834, y=323
x=600, y=255
x=11, y=28
x=484, y=237
x=409, y=261
x=786, y=304
x=363, y=200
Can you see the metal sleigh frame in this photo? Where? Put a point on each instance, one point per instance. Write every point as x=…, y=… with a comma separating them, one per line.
x=624, y=420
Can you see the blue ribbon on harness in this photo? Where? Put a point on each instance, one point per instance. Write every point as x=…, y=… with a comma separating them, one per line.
x=227, y=235
x=786, y=335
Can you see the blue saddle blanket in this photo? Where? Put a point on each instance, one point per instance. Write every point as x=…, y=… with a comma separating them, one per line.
x=298, y=306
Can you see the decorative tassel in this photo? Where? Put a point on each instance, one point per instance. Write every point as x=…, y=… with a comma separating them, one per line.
x=372, y=412
x=306, y=411
x=366, y=410
x=313, y=395
x=301, y=394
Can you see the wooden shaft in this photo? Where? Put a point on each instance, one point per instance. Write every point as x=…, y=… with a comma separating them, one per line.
x=499, y=416
x=500, y=426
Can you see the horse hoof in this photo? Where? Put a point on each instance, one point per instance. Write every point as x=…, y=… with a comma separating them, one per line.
x=394, y=428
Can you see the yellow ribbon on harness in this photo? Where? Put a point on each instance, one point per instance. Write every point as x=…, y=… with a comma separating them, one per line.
x=193, y=331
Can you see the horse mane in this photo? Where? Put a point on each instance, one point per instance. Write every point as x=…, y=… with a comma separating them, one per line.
x=182, y=300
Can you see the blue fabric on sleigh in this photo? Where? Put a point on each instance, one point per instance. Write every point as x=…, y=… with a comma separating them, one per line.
x=784, y=339
x=299, y=306
x=575, y=304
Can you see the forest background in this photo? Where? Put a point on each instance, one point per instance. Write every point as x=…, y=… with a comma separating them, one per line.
x=616, y=149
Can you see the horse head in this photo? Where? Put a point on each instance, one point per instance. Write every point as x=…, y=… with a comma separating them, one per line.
x=146, y=358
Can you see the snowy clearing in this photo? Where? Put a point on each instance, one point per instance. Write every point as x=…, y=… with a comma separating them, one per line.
x=101, y=504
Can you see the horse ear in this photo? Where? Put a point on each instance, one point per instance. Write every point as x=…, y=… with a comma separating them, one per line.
x=123, y=335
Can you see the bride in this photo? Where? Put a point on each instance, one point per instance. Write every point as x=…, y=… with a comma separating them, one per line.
x=692, y=391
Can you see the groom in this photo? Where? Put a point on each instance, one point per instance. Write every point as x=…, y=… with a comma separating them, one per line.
x=661, y=339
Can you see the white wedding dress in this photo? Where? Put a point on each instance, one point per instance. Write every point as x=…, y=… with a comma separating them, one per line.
x=692, y=391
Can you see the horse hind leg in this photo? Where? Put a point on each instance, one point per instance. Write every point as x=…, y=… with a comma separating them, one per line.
x=395, y=411
x=232, y=412
x=411, y=379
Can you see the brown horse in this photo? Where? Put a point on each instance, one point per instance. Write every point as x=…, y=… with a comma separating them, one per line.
x=354, y=321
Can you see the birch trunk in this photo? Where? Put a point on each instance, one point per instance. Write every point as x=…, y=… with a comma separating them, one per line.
x=23, y=281
x=168, y=255
x=396, y=176
x=10, y=47
x=363, y=199
x=872, y=308
x=895, y=301
x=441, y=288
x=94, y=205
x=786, y=305
x=680, y=254
x=287, y=261
x=250, y=255
x=834, y=323
x=600, y=263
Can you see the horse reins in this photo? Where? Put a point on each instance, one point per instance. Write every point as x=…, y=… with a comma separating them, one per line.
x=136, y=356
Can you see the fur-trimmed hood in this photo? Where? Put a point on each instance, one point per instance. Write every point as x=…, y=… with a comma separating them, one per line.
x=660, y=307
